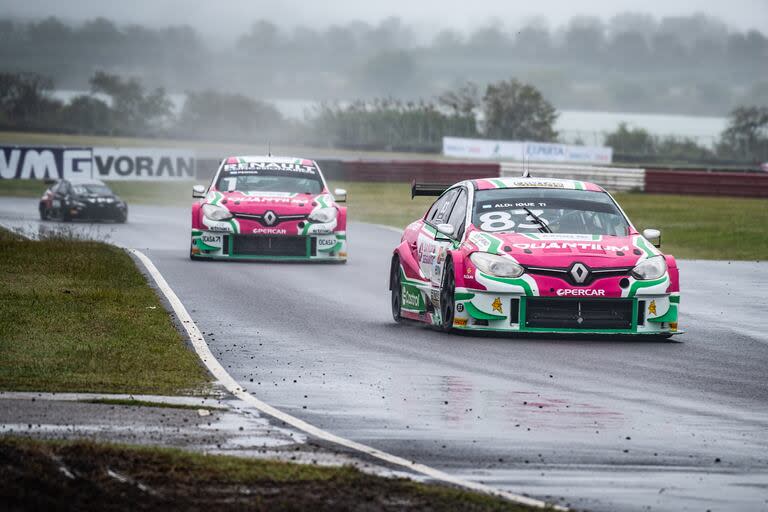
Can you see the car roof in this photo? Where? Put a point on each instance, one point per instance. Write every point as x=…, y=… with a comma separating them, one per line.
x=268, y=158
x=533, y=182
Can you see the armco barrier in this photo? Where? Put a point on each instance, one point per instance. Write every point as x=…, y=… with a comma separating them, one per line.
x=740, y=184
x=610, y=178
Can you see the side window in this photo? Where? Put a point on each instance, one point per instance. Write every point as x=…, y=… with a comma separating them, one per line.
x=459, y=212
x=440, y=211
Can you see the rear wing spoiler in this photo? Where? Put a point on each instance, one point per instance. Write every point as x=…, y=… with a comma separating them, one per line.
x=427, y=189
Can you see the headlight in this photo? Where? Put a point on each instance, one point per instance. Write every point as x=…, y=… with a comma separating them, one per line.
x=652, y=268
x=496, y=265
x=79, y=204
x=323, y=215
x=215, y=212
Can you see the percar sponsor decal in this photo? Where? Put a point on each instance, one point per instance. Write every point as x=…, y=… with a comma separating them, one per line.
x=270, y=231
x=577, y=292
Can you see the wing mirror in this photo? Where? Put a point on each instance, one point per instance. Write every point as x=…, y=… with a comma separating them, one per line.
x=340, y=195
x=653, y=236
x=446, y=229
x=198, y=191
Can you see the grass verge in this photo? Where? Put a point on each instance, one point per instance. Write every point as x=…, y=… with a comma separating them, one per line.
x=43, y=475
x=79, y=316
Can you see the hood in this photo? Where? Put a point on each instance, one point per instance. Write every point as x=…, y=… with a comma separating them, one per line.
x=561, y=250
x=260, y=202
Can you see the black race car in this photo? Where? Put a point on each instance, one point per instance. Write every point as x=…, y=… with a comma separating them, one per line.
x=81, y=199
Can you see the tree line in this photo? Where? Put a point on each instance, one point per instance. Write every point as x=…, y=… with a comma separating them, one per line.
x=689, y=64
x=505, y=109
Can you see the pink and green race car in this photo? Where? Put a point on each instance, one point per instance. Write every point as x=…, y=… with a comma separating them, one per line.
x=532, y=255
x=269, y=208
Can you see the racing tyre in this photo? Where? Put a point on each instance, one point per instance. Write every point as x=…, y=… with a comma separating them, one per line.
x=44, y=213
x=397, y=290
x=447, y=301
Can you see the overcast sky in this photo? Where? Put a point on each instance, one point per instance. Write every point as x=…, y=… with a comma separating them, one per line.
x=220, y=17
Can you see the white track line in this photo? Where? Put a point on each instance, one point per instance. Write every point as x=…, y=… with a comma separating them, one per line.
x=218, y=371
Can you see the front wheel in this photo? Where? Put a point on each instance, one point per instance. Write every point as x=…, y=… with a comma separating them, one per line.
x=397, y=290
x=447, y=305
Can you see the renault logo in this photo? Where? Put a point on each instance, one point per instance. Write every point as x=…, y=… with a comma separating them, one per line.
x=579, y=273
x=270, y=218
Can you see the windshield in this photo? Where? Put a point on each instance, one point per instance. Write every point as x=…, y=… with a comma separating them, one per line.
x=532, y=210
x=270, y=177
x=92, y=189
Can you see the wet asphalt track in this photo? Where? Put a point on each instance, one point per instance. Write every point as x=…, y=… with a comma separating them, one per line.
x=600, y=424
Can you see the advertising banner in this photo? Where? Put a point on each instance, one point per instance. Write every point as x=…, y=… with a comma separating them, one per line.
x=525, y=151
x=52, y=162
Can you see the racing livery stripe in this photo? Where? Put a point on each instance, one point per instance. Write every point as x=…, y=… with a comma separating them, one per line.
x=481, y=315
x=637, y=285
x=640, y=242
x=522, y=283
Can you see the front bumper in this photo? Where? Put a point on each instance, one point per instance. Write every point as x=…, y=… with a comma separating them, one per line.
x=219, y=245
x=98, y=211
x=507, y=312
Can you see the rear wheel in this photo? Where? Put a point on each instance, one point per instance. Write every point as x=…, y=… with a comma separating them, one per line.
x=397, y=290
x=447, y=306
x=44, y=213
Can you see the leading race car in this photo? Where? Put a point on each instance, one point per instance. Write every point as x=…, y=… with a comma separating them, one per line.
x=273, y=208
x=532, y=255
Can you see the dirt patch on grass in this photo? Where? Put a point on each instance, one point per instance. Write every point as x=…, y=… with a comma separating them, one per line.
x=36, y=475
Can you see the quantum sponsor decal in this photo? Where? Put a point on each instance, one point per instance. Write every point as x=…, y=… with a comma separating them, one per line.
x=572, y=245
x=576, y=292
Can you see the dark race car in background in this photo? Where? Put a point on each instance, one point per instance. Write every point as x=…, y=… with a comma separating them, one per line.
x=81, y=199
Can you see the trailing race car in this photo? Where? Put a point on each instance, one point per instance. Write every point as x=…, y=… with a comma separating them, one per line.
x=532, y=255
x=265, y=207
x=81, y=199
